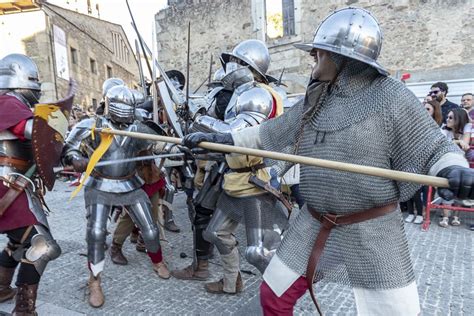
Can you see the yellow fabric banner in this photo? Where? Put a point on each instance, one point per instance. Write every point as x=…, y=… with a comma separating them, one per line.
x=105, y=142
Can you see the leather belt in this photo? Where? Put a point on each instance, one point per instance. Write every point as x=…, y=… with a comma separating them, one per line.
x=249, y=169
x=20, y=164
x=328, y=222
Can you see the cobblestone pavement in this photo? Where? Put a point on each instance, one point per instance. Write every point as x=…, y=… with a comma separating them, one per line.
x=443, y=261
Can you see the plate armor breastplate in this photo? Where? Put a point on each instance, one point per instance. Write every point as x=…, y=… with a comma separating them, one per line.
x=116, y=178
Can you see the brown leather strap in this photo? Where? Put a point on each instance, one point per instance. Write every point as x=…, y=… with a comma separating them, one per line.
x=16, y=163
x=328, y=222
x=14, y=190
x=249, y=169
x=26, y=234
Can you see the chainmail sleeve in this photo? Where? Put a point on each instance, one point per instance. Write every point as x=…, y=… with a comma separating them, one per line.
x=280, y=135
x=416, y=142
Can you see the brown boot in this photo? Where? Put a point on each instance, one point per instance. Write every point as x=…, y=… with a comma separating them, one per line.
x=162, y=270
x=199, y=272
x=134, y=236
x=116, y=255
x=140, y=247
x=6, y=291
x=25, y=300
x=170, y=225
x=218, y=287
x=96, y=297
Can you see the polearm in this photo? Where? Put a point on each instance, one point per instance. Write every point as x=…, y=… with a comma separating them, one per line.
x=210, y=72
x=341, y=166
x=187, y=62
x=140, y=39
x=140, y=69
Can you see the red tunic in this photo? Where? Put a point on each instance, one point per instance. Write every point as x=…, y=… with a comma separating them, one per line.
x=13, y=115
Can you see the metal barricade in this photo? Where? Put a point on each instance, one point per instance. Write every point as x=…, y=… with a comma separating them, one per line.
x=430, y=206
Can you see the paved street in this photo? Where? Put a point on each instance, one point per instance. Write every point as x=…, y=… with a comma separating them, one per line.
x=443, y=260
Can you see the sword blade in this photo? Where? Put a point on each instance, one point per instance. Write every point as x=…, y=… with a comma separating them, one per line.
x=142, y=158
x=117, y=161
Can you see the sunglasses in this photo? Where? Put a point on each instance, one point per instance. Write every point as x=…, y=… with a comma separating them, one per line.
x=434, y=92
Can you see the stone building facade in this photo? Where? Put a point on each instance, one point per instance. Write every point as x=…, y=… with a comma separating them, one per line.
x=93, y=50
x=430, y=39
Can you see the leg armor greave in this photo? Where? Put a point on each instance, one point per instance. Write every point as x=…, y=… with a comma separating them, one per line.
x=96, y=232
x=43, y=249
x=201, y=221
x=262, y=241
x=219, y=232
x=141, y=216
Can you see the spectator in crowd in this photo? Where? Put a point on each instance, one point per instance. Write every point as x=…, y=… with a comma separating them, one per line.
x=412, y=204
x=434, y=109
x=439, y=92
x=457, y=129
x=467, y=103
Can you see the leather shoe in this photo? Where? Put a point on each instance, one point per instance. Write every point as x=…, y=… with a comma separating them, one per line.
x=117, y=256
x=162, y=270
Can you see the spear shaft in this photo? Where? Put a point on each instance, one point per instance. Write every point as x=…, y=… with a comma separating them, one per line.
x=341, y=166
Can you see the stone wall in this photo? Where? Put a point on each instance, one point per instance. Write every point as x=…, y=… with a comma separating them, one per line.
x=91, y=38
x=431, y=39
x=216, y=26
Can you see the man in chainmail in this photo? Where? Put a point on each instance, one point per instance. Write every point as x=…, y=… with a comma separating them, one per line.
x=350, y=231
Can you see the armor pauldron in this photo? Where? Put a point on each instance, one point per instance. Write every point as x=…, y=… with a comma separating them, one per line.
x=256, y=100
x=28, y=129
x=72, y=147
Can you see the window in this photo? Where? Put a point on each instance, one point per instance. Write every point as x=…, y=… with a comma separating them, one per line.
x=93, y=65
x=121, y=50
x=288, y=9
x=109, y=72
x=74, y=59
x=280, y=18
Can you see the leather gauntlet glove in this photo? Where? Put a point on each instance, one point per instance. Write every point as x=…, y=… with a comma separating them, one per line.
x=80, y=164
x=192, y=140
x=461, y=183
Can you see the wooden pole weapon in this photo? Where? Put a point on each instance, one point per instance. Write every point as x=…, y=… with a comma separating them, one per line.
x=341, y=166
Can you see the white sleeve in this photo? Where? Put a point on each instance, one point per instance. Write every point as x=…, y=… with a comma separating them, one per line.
x=448, y=159
x=247, y=137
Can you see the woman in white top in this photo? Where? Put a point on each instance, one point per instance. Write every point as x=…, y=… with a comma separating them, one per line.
x=457, y=129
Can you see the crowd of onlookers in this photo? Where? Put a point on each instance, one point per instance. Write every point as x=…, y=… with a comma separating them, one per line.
x=457, y=124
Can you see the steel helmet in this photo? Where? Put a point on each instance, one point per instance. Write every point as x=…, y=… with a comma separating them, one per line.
x=351, y=32
x=18, y=71
x=253, y=53
x=109, y=83
x=120, y=103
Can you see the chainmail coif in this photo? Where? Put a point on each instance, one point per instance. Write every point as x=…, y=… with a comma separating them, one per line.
x=368, y=119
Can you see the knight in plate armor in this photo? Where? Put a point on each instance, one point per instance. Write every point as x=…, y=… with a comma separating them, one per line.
x=251, y=103
x=116, y=184
x=350, y=230
x=22, y=216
